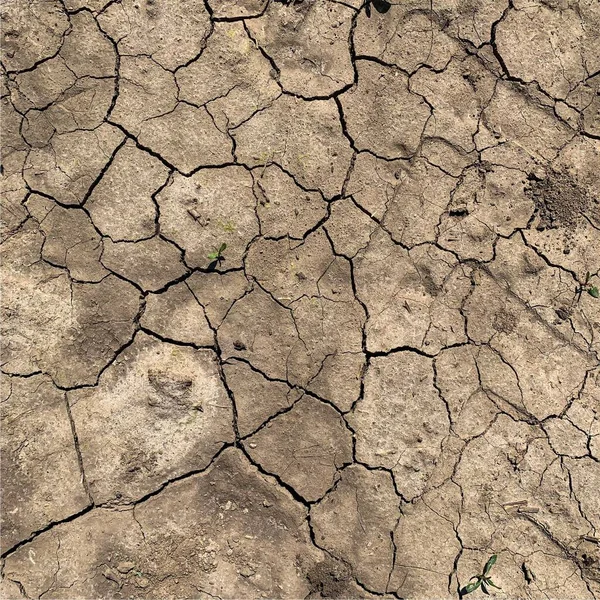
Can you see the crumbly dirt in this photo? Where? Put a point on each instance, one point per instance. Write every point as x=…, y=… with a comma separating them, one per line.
x=392, y=370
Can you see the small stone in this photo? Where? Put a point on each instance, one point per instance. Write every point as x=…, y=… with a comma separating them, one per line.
x=111, y=575
x=246, y=572
x=125, y=567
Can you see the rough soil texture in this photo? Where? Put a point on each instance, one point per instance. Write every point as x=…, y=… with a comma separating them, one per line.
x=392, y=372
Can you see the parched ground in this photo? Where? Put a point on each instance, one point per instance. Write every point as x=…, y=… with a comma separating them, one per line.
x=391, y=373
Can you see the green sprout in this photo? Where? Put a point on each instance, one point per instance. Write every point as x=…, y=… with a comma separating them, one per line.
x=592, y=290
x=482, y=580
x=217, y=253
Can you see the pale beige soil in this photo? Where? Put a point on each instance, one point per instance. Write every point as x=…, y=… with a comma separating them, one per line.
x=394, y=371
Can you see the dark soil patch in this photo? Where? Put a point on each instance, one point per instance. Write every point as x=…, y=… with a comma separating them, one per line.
x=329, y=579
x=559, y=201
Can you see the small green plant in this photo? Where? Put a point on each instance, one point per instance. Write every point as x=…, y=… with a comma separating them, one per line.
x=484, y=580
x=592, y=290
x=217, y=254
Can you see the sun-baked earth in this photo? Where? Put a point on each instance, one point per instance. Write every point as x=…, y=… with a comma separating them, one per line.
x=391, y=373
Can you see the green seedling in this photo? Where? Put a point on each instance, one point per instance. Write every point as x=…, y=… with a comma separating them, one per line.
x=484, y=580
x=217, y=253
x=592, y=290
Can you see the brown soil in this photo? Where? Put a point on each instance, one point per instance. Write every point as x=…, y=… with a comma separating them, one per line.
x=391, y=372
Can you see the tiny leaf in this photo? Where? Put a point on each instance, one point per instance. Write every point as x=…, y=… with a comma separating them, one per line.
x=594, y=292
x=489, y=564
x=222, y=248
x=484, y=589
x=213, y=256
x=471, y=587
x=490, y=582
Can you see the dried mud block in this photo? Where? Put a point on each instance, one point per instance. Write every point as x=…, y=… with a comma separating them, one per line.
x=86, y=50
x=228, y=532
x=171, y=34
x=256, y=397
x=355, y=521
x=426, y=546
x=549, y=370
x=458, y=95
x=158, y=411
x=237, y=9
x=390, y=431
x=407, y=198
x=151, y=264
x=217, y=292
x=32, y=32
x=74, y=90
x=591, y=108
x=485, y=204
x=84, y=105
x=304, y=447
x=42, y=86
x=70, y=239
x=231, y=77
x=330, y=333
x=349, y=228
x=457, y=379
x=585, y=414
x=13, y=189
x=293, y=271
x=294, y=38
x=516, y=123
x=407, y=36
x=121, y=204
x=67, y=168
x=447, y=157
x=400, y=115
x=552, y=47
x=372, y=183
x=212, y=207
x=305, y=138
x=187, y=138
x=93, y=5
x=69, y=330
x=175, y=314
x=566, y=439
x=42, y=482
x=550, y=291
x=339, y=379
x=284, y=208
x=585, y=477
x=471, y=20
x=146, y=91
x=259, y=330
x=413, y=298
x=328, y=319
x=251, y=535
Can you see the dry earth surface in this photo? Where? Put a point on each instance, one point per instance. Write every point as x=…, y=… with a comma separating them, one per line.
x=393, y=371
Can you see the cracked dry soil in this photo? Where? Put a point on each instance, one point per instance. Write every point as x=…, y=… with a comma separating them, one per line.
x=394, y=371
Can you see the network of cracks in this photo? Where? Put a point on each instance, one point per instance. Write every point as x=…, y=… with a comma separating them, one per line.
x=297, y=301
